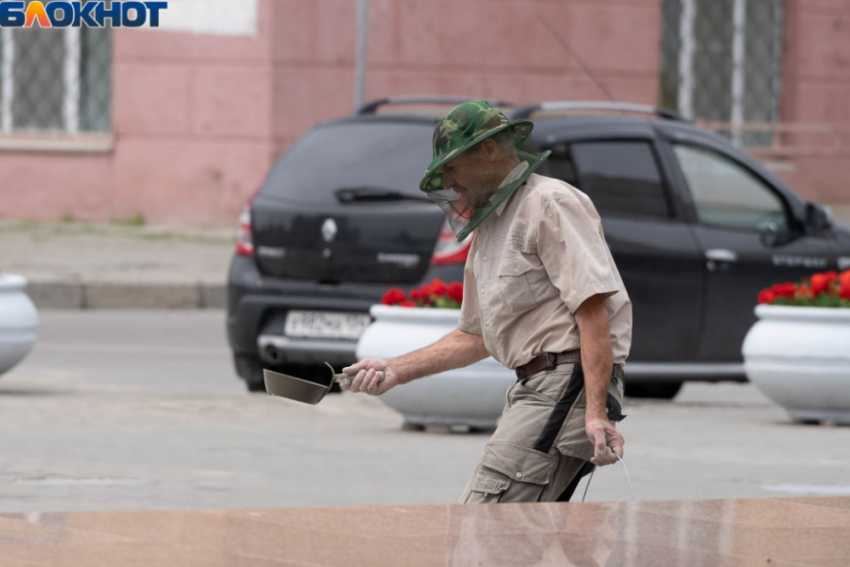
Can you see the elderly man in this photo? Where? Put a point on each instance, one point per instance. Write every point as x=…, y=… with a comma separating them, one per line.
x=542, y=295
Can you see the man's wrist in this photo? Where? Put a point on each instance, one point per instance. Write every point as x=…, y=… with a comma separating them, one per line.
x=395, y=370
x=595, y=414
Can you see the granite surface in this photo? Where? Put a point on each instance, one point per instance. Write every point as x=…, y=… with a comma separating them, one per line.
x=774, y=532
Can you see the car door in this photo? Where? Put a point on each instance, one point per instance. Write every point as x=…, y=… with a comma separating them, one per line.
x=733, y=206
x=654, y=250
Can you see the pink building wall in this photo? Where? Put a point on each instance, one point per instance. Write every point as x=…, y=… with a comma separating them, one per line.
x=816, y=90
x=198, y=119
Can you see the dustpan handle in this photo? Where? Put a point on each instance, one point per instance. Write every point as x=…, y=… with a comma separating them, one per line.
x=343, y=376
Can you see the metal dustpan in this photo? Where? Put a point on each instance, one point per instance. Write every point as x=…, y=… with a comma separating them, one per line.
x=300, y=390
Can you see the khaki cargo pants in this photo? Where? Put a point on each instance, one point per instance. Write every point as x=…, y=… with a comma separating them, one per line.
x=540, y=449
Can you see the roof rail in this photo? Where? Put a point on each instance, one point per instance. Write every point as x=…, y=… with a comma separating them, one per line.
x=527, y=111
x=372, y=107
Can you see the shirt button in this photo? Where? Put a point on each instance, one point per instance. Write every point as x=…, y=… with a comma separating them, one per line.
x=519, y=475
x=485, y=258
x=516, y=270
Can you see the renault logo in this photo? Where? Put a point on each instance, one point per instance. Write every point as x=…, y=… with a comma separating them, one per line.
x=329, y=230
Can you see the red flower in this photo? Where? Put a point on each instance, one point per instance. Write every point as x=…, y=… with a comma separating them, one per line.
x=393, y=296
x=416, y=294
x=407, y=304
x=844, y=278
x=804, y=292
x=844, y=293
x=456, y=291
x=437, y=287
x=766, y=296
x=820, y=282
x=784, y=290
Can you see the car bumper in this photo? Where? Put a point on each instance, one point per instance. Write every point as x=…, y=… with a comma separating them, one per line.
x=257, y=307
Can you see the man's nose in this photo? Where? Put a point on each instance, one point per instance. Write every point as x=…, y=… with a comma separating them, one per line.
x=448, y=180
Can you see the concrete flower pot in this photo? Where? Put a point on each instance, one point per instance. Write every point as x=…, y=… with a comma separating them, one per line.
x=800, y=358
x=18, y=321
x=473, y=396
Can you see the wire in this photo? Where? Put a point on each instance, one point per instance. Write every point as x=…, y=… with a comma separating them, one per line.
x=628, y=478
x=586, y=486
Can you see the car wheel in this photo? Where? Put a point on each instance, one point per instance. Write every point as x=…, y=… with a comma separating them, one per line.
x=662, y=390
x=250, y=369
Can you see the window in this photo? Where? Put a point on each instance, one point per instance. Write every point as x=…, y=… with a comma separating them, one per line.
x=55, y=80
x=560, y=165
x=721, y=61
x=727, y=194
x=619, y=177
x=381, y=155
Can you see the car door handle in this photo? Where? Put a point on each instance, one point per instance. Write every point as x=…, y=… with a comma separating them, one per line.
x=719, y=256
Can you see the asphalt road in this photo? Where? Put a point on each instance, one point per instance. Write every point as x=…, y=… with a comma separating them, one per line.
x=119, y=410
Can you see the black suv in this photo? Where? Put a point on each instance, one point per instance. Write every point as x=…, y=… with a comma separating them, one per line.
x=696, y=226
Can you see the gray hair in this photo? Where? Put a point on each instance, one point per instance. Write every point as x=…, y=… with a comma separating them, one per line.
x=505, y=139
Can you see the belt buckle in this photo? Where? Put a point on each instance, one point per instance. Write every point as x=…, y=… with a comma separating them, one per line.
x=552, y=363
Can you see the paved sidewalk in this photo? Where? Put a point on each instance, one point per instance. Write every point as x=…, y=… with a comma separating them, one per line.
x=89, y=266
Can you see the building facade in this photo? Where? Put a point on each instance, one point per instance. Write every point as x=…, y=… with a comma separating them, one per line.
x=180, y=124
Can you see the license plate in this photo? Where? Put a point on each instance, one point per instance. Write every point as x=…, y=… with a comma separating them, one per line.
x=325, y=324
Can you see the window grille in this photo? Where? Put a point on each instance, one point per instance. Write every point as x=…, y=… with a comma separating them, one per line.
x=55, y=81
x=721, y=64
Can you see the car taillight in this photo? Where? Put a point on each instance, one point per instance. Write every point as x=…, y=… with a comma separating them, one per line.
x=244, y=241
x=448, y=249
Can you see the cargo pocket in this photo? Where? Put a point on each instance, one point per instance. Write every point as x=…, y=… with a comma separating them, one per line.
x=512, y=473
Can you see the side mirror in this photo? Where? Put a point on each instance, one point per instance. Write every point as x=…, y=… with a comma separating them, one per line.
x=773, y=236
x=818, y=217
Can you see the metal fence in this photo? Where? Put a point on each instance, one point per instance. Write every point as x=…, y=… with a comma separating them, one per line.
x=721, y=64
x=55, y=80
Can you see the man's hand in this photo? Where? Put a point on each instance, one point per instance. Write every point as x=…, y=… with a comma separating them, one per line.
x=365, y=377
x=606, y=441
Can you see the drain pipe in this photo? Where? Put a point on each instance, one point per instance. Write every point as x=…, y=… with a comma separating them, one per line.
x=360, y=64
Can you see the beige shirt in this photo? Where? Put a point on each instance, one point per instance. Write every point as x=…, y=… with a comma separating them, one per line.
x=532, y=263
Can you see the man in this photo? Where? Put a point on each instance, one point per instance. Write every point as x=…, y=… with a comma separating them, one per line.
x=541, y=295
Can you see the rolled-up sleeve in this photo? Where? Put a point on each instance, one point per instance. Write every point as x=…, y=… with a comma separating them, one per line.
x=470, y=315
x=572, y=248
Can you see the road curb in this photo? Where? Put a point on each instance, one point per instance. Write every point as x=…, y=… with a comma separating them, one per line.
x=69, y=295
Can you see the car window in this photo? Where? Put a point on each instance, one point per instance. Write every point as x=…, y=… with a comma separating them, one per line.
x=725, y=193
x=384, y=155
x=619, y=177
x=560, y=164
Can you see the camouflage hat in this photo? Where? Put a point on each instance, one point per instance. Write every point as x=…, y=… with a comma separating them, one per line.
x=463, y=127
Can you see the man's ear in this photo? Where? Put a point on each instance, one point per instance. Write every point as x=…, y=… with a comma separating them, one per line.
x=491, y=149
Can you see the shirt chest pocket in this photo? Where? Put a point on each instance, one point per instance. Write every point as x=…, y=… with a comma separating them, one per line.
x=523, y=282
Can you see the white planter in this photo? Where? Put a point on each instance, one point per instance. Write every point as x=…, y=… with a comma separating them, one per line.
x=18, y=321
x=472, y=396
x=800, y=358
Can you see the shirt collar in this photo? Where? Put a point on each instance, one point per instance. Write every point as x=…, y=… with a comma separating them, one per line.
x=514, y=174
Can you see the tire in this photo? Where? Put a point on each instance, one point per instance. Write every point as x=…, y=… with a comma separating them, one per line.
x=250, y=369
x=660, y=390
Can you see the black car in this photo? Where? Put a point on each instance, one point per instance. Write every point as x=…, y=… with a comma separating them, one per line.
x=696, y=226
